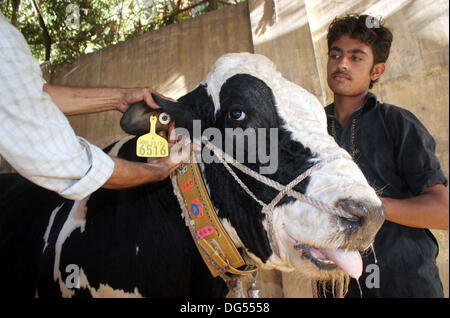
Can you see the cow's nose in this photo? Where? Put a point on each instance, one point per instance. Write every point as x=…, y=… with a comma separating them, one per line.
x=365, y=222
x=358, y=212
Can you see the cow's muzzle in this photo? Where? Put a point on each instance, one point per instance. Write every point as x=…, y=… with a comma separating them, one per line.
x=361, y=228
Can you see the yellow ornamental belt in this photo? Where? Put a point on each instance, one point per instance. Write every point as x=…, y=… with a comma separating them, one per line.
x=213, y=242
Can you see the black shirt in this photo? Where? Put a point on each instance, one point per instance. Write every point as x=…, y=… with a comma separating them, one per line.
x=396, y=153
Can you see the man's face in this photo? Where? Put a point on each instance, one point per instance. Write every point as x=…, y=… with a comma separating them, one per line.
x=349, y=67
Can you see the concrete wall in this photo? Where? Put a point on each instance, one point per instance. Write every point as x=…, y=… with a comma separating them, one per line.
x=176, y=58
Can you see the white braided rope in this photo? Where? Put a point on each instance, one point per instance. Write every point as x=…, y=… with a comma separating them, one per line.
x=224, y=158
x=242, y=184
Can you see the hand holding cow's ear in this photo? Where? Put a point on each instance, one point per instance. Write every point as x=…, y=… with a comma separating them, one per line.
x=133, y=95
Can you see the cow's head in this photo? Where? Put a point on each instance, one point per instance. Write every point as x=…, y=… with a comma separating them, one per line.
x=245, y=91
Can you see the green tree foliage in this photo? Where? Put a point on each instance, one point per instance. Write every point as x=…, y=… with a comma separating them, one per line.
x=76, y=27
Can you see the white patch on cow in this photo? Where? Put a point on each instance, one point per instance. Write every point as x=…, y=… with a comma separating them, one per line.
x=275, y=261
x=75, y=220
x=49, y=226
x=314, y=227
x=231, y=232
x=106, y=291
x=336, y=180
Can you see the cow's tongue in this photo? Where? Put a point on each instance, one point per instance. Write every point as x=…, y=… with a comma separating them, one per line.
x=349, y=261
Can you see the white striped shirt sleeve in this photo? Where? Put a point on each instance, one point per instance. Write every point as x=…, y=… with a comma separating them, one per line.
x=35, y=137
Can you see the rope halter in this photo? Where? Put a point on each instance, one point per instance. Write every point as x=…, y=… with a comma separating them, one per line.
x=267, y=209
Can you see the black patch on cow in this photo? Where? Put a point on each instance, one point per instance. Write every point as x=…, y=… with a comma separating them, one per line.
x=25, y=210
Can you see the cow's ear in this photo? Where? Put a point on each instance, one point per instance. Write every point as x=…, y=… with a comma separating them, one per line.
x=135, y=121
x=196, y=105
x=166, y=105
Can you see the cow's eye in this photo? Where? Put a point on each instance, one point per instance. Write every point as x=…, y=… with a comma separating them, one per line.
x=237, y=115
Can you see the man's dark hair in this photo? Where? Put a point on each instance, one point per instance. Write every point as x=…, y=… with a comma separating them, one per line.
x=365, y=28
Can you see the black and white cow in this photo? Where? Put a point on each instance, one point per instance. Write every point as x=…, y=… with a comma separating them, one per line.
x=133, y=242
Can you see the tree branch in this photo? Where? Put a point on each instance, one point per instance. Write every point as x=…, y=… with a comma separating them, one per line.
x=224, y=2
x=46, y=35
x=185, y=9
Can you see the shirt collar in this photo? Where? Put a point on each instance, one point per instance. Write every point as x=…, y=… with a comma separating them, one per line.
x=369, y=102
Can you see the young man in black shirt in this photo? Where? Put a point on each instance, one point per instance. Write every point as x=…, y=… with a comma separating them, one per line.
x=396, y=154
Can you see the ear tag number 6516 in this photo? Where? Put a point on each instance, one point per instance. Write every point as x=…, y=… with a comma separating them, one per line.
x=151, y=145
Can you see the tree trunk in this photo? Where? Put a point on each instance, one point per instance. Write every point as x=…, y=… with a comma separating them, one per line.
x=46, y=35
x=15, y=12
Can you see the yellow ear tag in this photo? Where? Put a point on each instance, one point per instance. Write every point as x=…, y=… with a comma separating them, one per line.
x=151, y=145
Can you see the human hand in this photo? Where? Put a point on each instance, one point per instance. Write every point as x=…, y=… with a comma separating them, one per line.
x=133, y=95
x=128, y=174
x=179, y=152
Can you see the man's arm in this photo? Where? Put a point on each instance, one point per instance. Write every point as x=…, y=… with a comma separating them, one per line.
x=428, y=210
x=78, y=100
x=37, y=139
x=128, y=174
